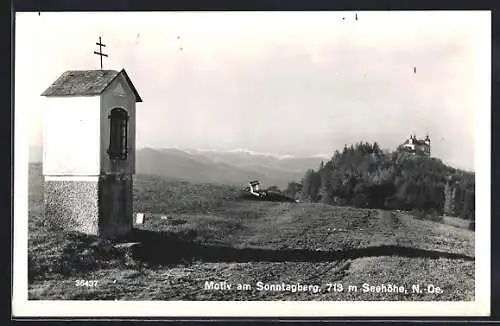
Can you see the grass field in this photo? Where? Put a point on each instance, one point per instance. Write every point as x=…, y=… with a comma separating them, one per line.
x=456, y=222
x=196, y=234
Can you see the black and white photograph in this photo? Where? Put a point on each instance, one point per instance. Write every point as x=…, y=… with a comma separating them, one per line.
x=252, y=163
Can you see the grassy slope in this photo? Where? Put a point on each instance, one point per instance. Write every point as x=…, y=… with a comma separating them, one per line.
x=207, y=235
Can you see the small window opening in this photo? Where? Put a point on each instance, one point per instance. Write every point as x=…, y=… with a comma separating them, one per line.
x=118, y=134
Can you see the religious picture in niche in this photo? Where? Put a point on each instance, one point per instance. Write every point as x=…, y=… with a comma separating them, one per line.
x=118, y=134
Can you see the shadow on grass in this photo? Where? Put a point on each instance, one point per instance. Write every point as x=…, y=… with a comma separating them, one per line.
x=268, y=196
x=162, y=248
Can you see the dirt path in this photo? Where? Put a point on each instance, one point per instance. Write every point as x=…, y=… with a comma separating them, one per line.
x=387, y=218
x=276, y=243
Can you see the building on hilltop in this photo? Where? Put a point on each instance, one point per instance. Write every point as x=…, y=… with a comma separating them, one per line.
x=416, y=146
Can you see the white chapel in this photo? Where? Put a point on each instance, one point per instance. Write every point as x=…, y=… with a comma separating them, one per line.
x=89, y=130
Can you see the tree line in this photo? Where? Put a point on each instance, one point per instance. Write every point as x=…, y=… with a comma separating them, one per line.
x=364, y=176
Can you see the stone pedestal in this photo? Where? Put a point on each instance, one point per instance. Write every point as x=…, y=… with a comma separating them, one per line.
x=99, y=206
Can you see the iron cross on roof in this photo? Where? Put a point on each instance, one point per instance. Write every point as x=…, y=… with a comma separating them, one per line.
x=100, y=50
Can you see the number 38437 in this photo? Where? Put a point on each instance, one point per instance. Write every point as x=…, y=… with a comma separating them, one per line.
x=86, y=283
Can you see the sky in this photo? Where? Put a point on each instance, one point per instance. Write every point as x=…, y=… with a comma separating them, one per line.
x=297, y=83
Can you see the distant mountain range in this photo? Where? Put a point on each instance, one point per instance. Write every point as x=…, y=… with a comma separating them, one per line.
x=234, y=167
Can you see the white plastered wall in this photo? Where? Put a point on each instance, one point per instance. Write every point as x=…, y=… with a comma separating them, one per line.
x=71, y=136
x=109, y=101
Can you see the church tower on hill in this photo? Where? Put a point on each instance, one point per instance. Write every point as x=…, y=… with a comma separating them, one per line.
x=418, y=146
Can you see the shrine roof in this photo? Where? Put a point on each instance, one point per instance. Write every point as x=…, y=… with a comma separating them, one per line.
x=86, y=83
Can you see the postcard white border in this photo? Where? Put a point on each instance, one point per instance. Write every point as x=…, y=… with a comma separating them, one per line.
x=21, y=307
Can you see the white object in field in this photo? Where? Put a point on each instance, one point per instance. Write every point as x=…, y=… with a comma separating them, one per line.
x=139, y=218
x=254, y=187
x=126, y=245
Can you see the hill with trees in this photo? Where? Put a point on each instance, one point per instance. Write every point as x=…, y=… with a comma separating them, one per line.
x=364, y=176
